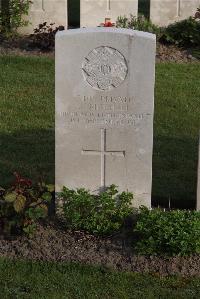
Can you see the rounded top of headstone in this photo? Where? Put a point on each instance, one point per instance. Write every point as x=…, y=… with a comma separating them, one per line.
x=106, y=30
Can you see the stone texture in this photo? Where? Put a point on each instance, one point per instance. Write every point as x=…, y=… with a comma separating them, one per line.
x=49, y=11
x=198, y=181
x=94, y=12
x=104, y=110
x=164, y=12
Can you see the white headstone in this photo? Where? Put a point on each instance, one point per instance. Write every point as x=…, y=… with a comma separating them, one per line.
x=94, y=12
x=104, y=110
x=198, y=181
x=49, y=11
x=164, y=12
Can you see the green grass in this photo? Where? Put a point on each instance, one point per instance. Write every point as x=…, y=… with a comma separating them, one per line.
x=176, y=130
x=41, y=280
x=27, y=124
x=27, y=117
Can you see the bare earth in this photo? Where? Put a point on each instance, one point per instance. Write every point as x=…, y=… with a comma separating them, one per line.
x=56, y=244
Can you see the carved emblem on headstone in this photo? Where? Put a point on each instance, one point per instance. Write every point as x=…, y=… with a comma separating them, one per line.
x=104, y=68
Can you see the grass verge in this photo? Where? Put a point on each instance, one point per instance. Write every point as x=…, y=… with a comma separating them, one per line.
x=42, y=280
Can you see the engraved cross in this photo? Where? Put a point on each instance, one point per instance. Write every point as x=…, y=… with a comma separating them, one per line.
x=103, y=153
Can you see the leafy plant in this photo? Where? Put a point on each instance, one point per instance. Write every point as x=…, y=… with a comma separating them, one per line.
x=23, y=204
x=173, y=232
x=12, y=14
x=43, y=37
x=185, y=33
x=138, y=23
x=97, y=214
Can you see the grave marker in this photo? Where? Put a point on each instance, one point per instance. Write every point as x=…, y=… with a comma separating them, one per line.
x=165, y=12
x=46, y=11
x=104, y=110
x=198, y=181
x=94, y=12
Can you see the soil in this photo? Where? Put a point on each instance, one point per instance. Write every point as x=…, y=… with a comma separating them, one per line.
x=172, y=53
x=53, y=243
x=21, y=46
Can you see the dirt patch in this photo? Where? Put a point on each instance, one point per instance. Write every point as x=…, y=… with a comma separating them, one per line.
x=20, y=46
x=20, y=52
x=56, y=244
x=174, y=54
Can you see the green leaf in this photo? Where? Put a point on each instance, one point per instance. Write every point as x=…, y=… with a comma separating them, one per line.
x=19, y=203
x=10, y=197
x=47, y=196
x=50, y=188
x=43, y=210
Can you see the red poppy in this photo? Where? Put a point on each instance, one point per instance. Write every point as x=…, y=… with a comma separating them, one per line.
x=108, y=24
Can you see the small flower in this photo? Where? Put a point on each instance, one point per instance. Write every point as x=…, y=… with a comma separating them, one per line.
x=108, y=24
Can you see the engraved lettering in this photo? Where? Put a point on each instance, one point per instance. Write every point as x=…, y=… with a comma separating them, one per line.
x=103, y=118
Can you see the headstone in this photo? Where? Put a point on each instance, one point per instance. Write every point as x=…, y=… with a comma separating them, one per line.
x=94, y=12
x=104, y=110
x=46, y=11
x=164, y=12
x=198, y=181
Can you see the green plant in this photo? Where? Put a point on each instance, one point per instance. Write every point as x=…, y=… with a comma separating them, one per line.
x=138, y=23
x=97, y=214
x=22, y=205
x=12, y=14
x=173, y=232
x=43, y=37
x=185, y=33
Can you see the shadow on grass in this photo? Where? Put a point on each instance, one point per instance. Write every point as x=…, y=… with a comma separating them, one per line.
x=31, y=153
x=175, y=171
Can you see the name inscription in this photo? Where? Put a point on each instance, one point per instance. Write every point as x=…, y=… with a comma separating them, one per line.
x=103, y=111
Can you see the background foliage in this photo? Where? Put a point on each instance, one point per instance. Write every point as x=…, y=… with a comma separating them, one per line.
x=22, y=205
x=12, y=14
x=172, y=232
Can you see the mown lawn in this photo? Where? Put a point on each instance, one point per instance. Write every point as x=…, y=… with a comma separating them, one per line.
x=176, y=131
x=27, y=124
x=41, y=280
x=27, y=118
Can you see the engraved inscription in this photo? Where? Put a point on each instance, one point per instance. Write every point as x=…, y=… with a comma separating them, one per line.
x=112, y=119
x=103, y=111
x=104, y=68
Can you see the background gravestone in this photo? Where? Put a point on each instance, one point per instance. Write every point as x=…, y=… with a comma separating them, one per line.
x=198, y=181
x=104, y=110
x=46, y=11
x=164, y=12
x=94, y=12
